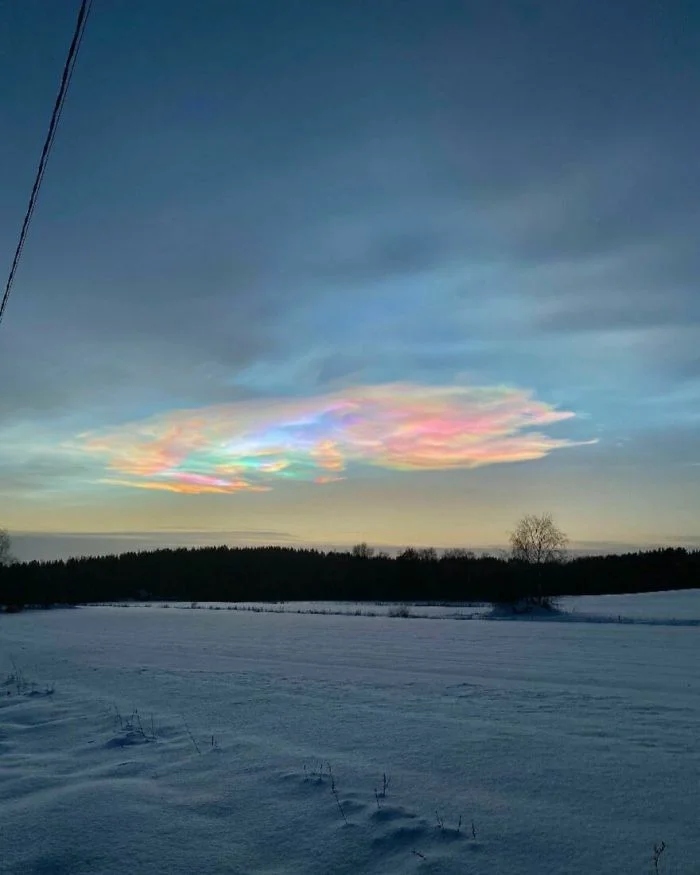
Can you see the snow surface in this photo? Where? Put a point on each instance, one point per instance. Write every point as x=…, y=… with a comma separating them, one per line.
x=674, y=607
x=570, y=746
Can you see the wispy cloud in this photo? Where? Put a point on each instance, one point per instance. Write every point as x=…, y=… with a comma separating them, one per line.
x=250, y=446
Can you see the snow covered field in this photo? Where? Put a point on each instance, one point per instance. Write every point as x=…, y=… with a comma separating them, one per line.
x=673, y=607
x=564, y=747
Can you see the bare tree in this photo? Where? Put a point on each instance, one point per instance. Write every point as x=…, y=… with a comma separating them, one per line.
x=363, y=551
x=459, y=553
x=537, y=539
x=6, y=557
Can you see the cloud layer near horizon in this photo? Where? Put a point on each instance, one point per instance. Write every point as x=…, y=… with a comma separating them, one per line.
x=249, y=446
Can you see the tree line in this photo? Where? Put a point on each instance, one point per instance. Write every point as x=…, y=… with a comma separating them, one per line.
x=287, y=574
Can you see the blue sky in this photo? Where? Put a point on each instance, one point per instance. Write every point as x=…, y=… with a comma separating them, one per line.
x=260, y=212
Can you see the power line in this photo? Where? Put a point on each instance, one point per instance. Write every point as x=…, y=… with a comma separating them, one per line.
x=76, y=42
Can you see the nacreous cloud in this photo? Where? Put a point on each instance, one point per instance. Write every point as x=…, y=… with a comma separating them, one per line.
x=398, y=426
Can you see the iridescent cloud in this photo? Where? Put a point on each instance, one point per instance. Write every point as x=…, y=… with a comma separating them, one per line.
x=399, y=426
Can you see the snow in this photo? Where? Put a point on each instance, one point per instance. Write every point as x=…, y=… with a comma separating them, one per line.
x=673, y=607
x=199, y=740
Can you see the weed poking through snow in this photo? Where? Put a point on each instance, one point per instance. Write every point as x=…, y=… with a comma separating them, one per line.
x=317, y=771
x=403, y=611
x=133, y=725
x=656, y=856
x=192, y=738
x=334, y=789
x=17, y=681
x=381, y=794
x=339, y=804
x=385, y=785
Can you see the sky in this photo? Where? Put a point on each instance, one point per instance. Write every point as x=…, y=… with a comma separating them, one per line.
x=326, y=272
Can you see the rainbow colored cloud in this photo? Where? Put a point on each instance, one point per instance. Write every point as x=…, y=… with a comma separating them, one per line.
x=399, y=426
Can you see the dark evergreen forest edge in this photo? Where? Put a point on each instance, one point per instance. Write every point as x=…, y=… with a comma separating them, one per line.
x=231, y=574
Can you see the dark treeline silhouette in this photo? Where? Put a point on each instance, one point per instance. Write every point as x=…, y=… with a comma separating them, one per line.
x=285, y=574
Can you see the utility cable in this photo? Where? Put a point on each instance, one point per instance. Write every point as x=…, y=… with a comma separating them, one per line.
x=83, y=14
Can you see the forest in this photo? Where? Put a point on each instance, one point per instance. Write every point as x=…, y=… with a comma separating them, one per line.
x=233, y=574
